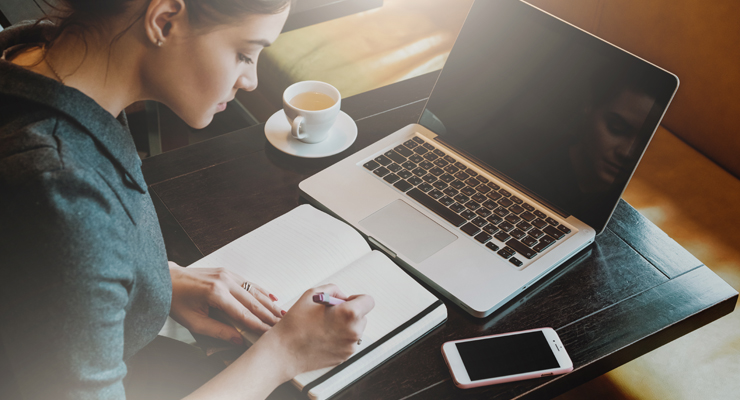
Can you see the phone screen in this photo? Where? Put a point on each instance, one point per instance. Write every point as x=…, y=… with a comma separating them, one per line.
x=506, y=355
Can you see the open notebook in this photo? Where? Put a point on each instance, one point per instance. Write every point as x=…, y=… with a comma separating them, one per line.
x=306, y=248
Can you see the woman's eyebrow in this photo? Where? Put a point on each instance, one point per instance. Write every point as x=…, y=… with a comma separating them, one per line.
x=262, y=42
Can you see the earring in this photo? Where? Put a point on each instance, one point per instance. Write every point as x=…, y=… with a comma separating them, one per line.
x=159, y=43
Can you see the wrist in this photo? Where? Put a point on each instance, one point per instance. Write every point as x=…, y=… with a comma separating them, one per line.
x=281, y=355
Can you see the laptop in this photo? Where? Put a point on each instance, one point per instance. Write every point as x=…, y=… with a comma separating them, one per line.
x=525, y=145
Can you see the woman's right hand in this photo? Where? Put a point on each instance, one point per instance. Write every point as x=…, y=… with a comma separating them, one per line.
x=314, y=336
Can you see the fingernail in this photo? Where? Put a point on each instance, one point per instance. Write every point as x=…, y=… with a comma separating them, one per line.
x=283, y=312
x=272, y=297
x=237, y=341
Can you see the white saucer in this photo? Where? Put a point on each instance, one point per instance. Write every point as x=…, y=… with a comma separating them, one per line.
x=341, y=136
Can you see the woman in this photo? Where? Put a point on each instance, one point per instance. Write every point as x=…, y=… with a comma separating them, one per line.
x=85, y=283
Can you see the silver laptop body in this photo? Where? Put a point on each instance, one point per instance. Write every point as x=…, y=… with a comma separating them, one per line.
x=478, y=224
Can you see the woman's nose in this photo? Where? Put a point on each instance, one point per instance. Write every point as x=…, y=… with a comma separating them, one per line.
x=244, y=82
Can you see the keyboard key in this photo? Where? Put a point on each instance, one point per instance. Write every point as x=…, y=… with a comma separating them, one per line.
x=472, y=182
x=471, y=205
x=391, y=178
x=403, y=186
x=371, y=165
x=429, y=178
x=483, y=212
x=428, y=146
x=528, y=207
x=516, y=209
x=440, y=162
x=425, y=187
x=419, y=172
x=471, y=172
x=446, y=201
x=447, y=178
x=404, y=174
x=426, y=165
x=515, y=261
x=512, y=218
x=540, y=247
x=536, y=233
x=527, y=216
x=408, y=165
x=502, y=236
x=394, y=167
x=439, y=185
x=516, y=200
x=504, y=192
x=415, y=159
x=505, y=226
x=494, y=186
x=483, y=237
x=501, y=212
x=470, y=229
x=462, y=175
x=417, y=139
x=457, y=185
x=554, y=232
x=517, y=233
x=564, y=228
x=539, y=214
x=403, y=150
x=457, y=207
x=552, y=221
x=528, y=241
x=383, y=160
x=461, y=166
x=479, y=222
x=436, y=171
x=439, y=152
x=482, y=179
x=494, y=219
x=451, y=169
x=478, y=197
x=490, y=229
x=435, y=207
x=382, y=171
x=395, y=156
x=524, y=226
x=490, y=205
x=452, y=192
x=505, y=202
x=494, y=196
x=410, y=144
x=435, y=194
x=467, y=214
x=547, y=239
x=450, y=159
x=431, y=156
x=461, y=198
x=539, y=223
x=469, y=191
x=505, y=252
x=483, y=188
x=414, y=180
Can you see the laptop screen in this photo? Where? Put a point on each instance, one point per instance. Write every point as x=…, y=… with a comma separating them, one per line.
x=555, y=111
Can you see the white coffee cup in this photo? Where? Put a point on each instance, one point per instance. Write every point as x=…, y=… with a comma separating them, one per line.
x=312, y=108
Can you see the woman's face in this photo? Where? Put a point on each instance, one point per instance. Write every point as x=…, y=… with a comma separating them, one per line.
x=197, y=73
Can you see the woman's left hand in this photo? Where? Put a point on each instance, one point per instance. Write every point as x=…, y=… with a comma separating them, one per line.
x=194, y=290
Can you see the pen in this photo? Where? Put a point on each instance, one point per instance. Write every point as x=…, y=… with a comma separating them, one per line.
x=326, y=300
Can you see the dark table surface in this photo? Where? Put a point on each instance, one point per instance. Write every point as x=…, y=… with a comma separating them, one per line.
x=630, y=292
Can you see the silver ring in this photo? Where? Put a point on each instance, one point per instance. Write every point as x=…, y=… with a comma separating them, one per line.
x=246, y=285
x=359, y=342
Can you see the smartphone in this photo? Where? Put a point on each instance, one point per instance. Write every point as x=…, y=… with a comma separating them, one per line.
x=507, y=357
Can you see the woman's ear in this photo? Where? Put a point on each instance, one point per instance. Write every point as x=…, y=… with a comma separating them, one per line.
x=162, y=18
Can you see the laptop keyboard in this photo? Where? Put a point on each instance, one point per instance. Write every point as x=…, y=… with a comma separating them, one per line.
x=495, y=217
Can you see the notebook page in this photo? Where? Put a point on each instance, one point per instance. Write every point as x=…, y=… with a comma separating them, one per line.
x=291, y=253
x=398, y=298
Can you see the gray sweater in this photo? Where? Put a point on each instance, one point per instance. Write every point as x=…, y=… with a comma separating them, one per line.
x=84, y=282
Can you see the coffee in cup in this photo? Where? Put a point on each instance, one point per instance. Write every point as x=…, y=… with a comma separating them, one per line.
x=311, y=108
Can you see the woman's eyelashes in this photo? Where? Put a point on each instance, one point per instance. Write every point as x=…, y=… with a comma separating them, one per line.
x=243, y=58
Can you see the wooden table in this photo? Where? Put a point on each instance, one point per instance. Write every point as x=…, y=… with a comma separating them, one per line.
x=630, y=292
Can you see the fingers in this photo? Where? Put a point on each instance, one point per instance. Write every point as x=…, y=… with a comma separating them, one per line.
x=267, y=300
x=236, y=310
x=213, y=328
x=330, y=289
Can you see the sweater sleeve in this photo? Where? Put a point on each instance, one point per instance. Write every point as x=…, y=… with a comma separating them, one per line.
x=65, y=283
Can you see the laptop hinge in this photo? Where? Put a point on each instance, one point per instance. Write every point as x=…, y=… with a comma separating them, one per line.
x=380, y=247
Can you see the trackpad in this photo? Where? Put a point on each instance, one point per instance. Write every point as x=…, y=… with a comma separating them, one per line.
x=407, y=230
